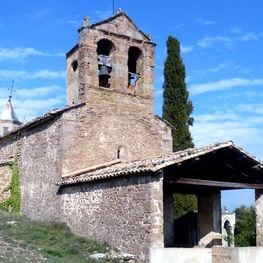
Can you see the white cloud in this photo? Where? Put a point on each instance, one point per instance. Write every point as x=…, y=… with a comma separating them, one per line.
x=103, y=14
x=249, y=37
x=39, y=74
x=252, y=108
x=36, y=92
x=43, y=13
x=204, y=22
x=228, y=41
x=158, y=92
x=224, y=85
x=22, y=53
x=246, y=133
x=209, y=41
x=204, y=72
x=39, y=14
x=72, y=22
x=186, y=49
x=236, y=30
x=33, y=102
x=179, y=26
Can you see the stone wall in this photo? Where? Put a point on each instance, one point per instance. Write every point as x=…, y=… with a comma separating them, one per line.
x=40, y=169
x=125, y=212
x=39, y=165
x=259, y=216
x=5, y=178
x=92, y=135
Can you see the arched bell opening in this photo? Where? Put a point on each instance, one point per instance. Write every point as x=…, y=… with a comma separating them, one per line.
x=105, y=48
x=134, y=67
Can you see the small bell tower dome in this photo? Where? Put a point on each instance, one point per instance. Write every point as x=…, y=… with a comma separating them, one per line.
x=8, y=118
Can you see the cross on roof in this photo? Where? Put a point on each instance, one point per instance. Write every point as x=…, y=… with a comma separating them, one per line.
x=11, y=91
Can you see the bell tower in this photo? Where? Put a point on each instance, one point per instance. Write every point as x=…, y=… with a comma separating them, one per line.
x=112, y=57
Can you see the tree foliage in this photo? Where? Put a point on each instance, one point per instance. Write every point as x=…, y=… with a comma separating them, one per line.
x=245, y=228
x=177, y=109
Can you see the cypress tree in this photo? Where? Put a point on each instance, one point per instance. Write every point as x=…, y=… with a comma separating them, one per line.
x=177, y=109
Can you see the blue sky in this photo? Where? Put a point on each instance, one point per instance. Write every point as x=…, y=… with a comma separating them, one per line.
x=221, y=44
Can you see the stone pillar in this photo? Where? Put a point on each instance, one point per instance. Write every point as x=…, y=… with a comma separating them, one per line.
x=259, y=216
x=168, y=216
x=209, y=219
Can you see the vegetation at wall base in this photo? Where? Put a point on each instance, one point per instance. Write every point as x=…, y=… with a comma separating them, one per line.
x=177, y=110
x=22, y=240
x=12, y=203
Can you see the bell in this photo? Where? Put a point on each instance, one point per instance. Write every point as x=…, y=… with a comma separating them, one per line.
x=104, y=72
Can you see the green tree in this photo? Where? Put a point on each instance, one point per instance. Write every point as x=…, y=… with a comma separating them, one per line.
x=245, y=228
x=177, y=109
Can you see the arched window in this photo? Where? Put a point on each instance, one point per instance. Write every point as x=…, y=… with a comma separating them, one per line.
x=74, y=65
x=104, y=50
x=134, y=65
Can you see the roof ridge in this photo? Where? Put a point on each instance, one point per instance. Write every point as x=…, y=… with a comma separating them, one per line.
x=118, y=14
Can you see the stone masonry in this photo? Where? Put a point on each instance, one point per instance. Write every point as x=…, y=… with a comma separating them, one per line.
x=5, y=177
x=124, y=212
x=100, y=125
x=109, y=120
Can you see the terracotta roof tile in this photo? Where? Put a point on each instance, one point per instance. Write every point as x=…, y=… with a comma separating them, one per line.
x=151, y=164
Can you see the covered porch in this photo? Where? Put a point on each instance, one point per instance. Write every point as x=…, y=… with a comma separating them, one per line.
x=205, y=174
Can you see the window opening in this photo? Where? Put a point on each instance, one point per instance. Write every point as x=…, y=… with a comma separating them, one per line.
x=121, y=152
x=134, y=62
x=74, y=65
x=104, y=49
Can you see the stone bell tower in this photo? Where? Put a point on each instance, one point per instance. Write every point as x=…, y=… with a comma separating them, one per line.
x=111, y=70
x=112, y=57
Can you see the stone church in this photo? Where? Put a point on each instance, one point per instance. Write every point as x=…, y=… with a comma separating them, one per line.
x=104, y=165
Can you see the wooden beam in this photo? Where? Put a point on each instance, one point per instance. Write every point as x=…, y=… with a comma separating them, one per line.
x=193, y=181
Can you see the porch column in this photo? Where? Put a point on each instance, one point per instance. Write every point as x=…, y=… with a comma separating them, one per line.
x=259, y=216
x=209, y=219
x=168, y=216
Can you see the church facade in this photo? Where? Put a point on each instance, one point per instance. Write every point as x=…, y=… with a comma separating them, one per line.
x=104, y=165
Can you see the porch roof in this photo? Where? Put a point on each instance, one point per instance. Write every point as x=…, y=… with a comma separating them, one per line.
x=211, y=165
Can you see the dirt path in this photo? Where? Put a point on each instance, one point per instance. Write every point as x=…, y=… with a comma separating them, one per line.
x=11, y=253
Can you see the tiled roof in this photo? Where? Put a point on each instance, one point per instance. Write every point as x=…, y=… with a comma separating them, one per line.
x=41, y=119
x=151, y=165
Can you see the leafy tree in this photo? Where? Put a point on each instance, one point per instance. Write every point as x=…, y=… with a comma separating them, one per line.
x=245, y=228
x=177, y=109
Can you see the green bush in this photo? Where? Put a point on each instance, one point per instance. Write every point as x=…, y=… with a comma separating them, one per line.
x=12, y=204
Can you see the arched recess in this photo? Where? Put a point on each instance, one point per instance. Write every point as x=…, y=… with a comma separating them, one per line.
x=105, y=50
x=135, y=67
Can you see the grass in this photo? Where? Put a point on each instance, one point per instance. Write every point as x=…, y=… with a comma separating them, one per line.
x=22, y=240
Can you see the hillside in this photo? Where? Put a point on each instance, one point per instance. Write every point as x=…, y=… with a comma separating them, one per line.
x=22, y=240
